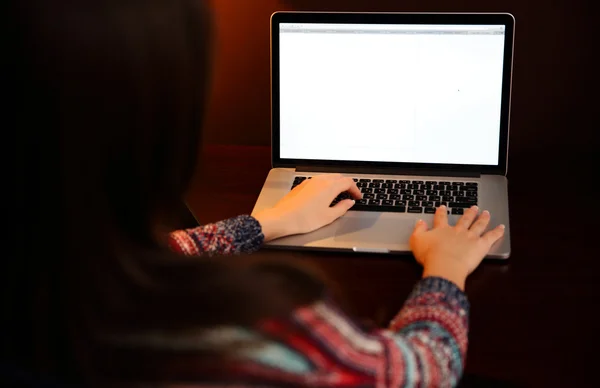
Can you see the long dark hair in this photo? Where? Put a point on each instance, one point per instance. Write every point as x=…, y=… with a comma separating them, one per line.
x=107, y=101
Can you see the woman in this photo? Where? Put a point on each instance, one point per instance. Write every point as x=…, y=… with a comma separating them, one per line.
x=107, y=98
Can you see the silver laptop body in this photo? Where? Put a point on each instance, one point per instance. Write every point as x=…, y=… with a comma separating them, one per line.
x=414, y=107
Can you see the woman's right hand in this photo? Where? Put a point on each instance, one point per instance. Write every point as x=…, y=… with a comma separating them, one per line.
x=453, y=252
x=307, y=207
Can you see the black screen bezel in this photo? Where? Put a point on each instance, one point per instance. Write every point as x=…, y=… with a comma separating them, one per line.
x=394, y=18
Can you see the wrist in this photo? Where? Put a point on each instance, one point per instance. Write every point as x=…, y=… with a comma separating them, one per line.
x=271, y=225
x=450, y=273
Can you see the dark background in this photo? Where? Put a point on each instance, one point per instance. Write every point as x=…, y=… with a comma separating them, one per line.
x=533, y=319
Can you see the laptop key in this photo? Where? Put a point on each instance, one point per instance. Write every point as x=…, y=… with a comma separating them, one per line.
x=414, y=203
x=400, y=203
x=363, y=201
x=408, y=197
x=429, y=210
x=421, y=198
x=368, y=196
x=388, y=209
x=387, y=202
x=364, y=180
x=415, y=209
x=378, y=180
x=374, y=202
x=391, y=181
x=458, y=210
x=381, y=196
x=459, y=205
x=418, y=182
x=379, y=191
x=427, y=204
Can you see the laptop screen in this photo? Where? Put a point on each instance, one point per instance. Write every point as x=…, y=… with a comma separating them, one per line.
x=391, y=93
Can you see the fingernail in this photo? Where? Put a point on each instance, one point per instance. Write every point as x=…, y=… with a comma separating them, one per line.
x=486, y=212
x=442, y=206
x=475, y=207
x=418, y=221
x=501, y=226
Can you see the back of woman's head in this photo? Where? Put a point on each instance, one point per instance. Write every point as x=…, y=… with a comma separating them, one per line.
x=107, y=102
x=119, y=87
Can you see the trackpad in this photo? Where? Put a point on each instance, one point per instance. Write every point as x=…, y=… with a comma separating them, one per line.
x=373, y=230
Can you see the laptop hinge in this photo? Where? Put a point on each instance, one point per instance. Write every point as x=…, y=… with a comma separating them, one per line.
x=387, y=171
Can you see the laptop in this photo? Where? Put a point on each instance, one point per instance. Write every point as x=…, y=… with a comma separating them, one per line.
x=414, y=107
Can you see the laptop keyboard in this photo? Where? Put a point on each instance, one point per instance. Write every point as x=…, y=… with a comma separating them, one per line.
x=409, y=196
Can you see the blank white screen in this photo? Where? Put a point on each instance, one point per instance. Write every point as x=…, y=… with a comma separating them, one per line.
x=410, y=93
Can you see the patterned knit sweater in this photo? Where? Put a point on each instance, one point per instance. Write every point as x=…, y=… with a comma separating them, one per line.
x=319, y=346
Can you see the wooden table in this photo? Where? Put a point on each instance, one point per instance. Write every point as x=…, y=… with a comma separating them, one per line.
x=532, y=318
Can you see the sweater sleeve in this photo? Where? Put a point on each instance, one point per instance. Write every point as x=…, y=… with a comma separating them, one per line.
x=430, y=334
x=241, y=234
x=425, y=346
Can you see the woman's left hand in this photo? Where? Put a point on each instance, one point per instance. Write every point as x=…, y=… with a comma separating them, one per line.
x=306, y=207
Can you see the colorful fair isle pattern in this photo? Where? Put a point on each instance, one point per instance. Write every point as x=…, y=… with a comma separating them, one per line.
x=240, y=234
x=319, y=346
